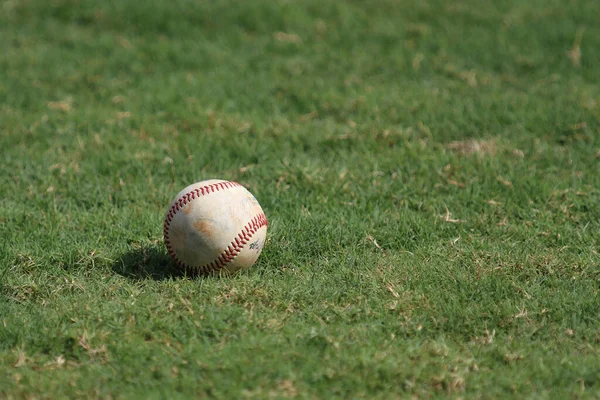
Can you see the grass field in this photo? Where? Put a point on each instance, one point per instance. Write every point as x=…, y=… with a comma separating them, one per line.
x=430, y=171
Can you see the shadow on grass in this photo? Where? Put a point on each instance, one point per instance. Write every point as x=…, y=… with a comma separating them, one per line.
x=148, y=262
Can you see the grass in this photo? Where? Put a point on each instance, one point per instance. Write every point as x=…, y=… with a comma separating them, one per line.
x=429, y=170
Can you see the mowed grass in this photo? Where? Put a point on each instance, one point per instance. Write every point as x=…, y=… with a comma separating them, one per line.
x=430, y=171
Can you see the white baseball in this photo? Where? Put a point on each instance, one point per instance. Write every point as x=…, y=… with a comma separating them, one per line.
x=214, y=225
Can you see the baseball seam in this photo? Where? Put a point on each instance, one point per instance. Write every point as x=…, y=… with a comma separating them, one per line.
x=236, y=245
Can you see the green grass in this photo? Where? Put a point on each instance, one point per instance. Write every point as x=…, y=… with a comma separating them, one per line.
x=430, y=170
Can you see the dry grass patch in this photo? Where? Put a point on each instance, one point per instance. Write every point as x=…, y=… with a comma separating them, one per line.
x=473, y=146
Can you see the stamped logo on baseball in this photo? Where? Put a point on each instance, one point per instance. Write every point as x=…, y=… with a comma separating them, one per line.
x=215, y=225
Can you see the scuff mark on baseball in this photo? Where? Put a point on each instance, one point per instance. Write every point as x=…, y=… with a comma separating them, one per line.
x=215, y=225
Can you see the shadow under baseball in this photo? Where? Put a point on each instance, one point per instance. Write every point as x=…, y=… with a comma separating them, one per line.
x=148, y=262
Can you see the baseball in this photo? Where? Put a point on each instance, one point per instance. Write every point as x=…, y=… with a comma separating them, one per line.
x=215, y=225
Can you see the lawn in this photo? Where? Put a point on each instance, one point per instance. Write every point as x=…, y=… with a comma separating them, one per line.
x=430, y=171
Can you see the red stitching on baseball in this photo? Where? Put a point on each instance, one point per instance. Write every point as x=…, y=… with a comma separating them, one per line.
x=234, y=247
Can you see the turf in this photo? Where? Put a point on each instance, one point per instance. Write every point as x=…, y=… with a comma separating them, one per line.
x=430, y=171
